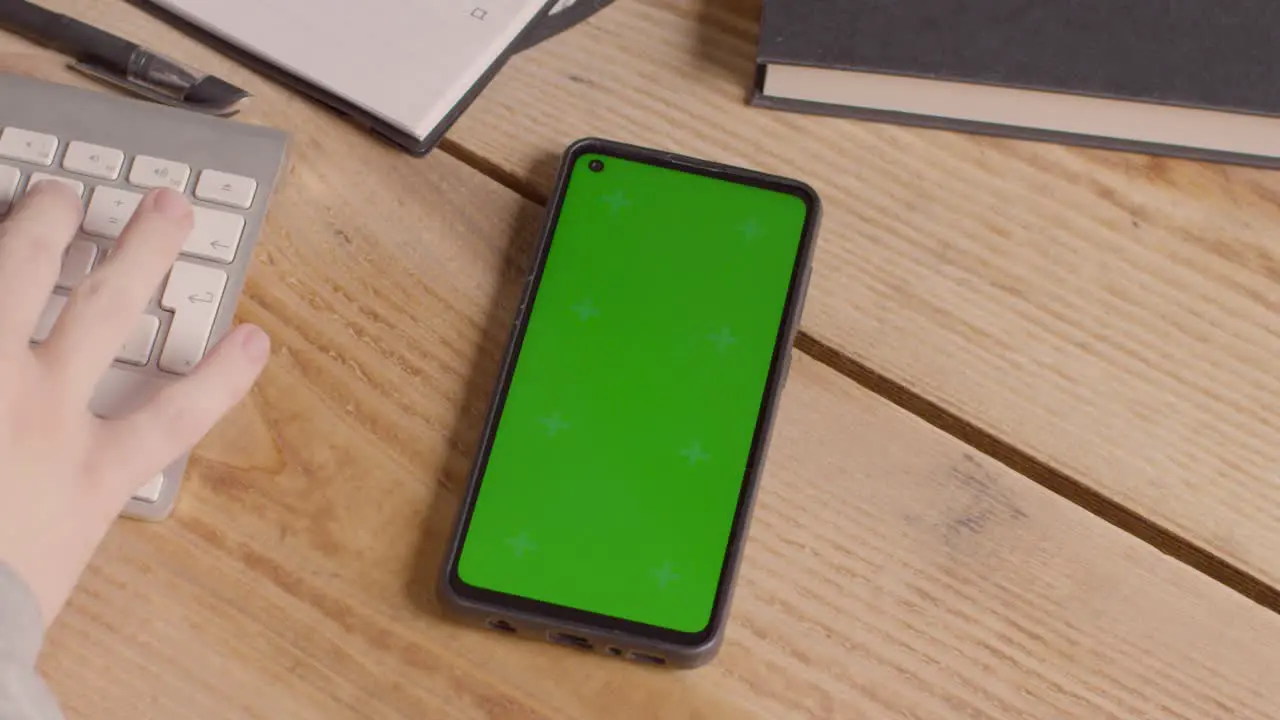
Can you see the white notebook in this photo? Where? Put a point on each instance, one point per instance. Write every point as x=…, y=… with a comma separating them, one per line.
x=406, y=62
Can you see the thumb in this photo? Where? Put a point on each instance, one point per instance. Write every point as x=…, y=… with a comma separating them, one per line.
x=142, y=443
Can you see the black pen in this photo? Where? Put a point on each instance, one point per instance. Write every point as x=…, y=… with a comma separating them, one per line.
x=120, y=62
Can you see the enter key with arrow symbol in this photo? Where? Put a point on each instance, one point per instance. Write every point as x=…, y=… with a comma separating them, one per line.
x=193, y=294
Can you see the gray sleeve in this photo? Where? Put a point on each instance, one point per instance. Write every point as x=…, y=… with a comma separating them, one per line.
x=23, y=695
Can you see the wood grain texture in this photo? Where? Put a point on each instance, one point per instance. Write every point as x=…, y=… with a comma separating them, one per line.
x=892, y=571
x=1112, y=316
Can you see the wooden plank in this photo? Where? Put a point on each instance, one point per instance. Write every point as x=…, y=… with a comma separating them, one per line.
x=1113, y=316
x=892, y=571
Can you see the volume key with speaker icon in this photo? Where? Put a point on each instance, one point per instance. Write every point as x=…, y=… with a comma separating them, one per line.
x=93, y=160
x=153, y=172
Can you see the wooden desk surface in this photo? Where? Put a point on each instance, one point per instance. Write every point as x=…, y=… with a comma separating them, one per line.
x=1025, y=465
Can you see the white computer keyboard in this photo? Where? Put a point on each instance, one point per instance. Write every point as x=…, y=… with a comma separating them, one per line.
x=111, y=150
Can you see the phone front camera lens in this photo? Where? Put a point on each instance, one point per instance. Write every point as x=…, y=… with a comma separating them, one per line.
x=596, y=166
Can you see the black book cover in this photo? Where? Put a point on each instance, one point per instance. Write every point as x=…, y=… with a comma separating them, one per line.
x=1202, y=54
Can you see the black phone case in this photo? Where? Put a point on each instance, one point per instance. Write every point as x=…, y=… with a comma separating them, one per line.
x=634, y=645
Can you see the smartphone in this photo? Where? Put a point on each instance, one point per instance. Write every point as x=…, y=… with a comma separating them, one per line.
x=609, y=500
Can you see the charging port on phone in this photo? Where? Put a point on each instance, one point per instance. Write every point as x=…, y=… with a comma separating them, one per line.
x=570, y=640
x=648, y=659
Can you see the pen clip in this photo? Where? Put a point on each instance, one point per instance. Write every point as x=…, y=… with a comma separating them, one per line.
x=153, y=92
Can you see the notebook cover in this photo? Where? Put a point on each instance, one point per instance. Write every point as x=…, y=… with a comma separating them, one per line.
x=556, y=17
x=562, y=16
x=1196, y=53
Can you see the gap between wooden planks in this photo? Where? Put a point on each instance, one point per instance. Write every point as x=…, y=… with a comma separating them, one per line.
x=1105, y=323
x=892, y=570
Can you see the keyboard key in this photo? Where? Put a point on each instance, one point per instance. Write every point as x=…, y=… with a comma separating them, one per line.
x=48, y=316
x=109, y=211
x=193, y=294
x=73, y=184
x=151, y=491
x=150, y=172
x=214, y=236
x=93, y=160
x=137, y=347
x=226, y=189
x=9, y=177
x=76, y=263
x=26, y=146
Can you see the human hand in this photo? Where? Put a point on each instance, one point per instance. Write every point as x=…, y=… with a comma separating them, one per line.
x=66, y=474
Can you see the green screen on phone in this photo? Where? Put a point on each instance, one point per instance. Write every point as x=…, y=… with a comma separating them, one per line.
x=622, y=447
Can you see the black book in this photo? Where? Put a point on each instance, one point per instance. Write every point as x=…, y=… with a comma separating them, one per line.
x=1195, y=78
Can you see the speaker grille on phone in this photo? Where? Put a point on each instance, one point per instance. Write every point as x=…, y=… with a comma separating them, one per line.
x=577, y=641
x=501, y=625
